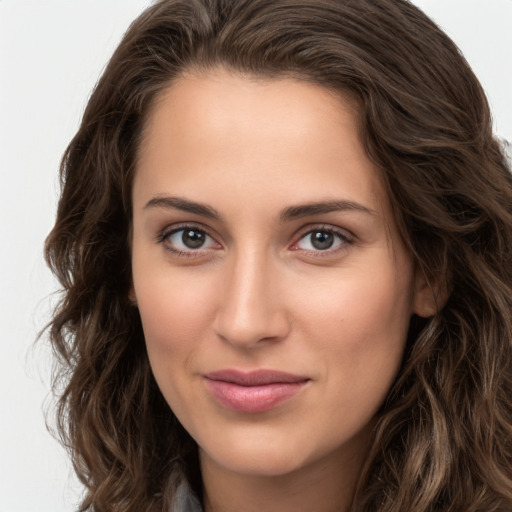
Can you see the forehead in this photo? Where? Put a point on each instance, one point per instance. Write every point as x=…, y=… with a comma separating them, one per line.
x=211, y=101
x=254, y=136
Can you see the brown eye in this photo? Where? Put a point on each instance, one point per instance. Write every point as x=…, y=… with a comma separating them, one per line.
x=192, y=238
x=188, y=239
x=322, y=240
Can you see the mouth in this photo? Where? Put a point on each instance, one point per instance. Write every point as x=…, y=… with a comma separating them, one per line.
x=253, y=392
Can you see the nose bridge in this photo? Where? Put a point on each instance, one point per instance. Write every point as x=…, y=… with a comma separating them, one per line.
x=251, y=309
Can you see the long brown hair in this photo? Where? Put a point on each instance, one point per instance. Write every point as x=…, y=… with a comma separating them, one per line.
x=443, y=441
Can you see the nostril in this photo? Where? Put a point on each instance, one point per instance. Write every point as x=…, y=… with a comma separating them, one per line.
x=246, y=331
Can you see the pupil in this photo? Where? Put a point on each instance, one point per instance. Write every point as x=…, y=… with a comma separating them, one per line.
x=322, y=240
x=192, y=239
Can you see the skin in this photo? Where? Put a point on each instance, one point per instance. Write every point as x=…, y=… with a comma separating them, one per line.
x=258, y=294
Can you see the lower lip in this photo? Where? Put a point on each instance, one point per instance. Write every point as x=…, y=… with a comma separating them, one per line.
x=253, y=399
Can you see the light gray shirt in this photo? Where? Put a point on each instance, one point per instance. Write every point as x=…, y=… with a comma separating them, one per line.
x=185, y=500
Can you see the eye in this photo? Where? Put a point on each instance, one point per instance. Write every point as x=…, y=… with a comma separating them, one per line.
x=322, y=240
x=187, y=239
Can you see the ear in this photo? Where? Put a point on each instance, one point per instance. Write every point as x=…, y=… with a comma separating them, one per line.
x=132, y=297
x=429, y=295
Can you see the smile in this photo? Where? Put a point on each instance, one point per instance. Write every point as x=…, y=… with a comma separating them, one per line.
x=253, y=392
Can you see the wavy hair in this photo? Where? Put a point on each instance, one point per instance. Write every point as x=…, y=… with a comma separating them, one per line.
x=443, y=439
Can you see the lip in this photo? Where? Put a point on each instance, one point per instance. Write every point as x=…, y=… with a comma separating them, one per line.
x=253, y=392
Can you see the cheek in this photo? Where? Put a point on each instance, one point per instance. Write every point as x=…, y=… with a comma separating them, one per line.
x=175, y=316
x=361, y=303
x=175, y=310
x=360, y=328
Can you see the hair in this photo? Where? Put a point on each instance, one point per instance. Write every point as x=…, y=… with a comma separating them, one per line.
x=443, y=438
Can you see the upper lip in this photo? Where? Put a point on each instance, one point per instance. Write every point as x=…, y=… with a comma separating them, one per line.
x=255, y=378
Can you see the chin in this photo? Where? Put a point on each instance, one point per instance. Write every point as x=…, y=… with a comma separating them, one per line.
x=255, y=452
x=250, y=450
x=258, y=463
x=260, y=450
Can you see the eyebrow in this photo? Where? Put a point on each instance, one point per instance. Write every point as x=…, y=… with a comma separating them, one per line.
x=306, y=210
x=289, y=213
x=178, y=203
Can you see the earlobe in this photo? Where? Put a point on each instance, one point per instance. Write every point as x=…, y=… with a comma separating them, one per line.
x=429, y=296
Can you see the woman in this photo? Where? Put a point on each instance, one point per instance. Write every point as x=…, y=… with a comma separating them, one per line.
x=284, y=239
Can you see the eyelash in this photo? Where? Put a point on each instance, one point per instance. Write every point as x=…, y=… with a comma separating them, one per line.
x=345, y=238
x=163, y=237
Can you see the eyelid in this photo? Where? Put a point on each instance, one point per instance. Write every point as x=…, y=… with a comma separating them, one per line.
x=346, y=236
x=164, y=234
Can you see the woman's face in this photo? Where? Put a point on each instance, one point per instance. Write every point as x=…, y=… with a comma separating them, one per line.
x=274, y=290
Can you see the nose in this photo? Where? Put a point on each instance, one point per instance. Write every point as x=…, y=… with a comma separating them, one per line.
x=251, y=308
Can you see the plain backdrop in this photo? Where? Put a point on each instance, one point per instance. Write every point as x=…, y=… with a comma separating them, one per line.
x=51, y=54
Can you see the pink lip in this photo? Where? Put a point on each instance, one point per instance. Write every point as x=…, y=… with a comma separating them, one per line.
x=253, y=392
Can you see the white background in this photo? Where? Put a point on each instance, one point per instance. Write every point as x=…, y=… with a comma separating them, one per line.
x=51, y=54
